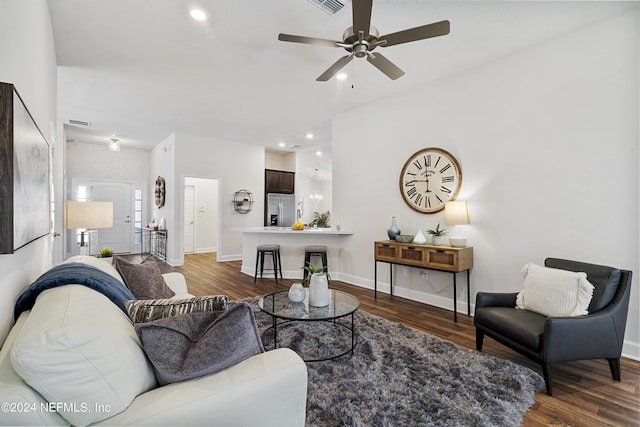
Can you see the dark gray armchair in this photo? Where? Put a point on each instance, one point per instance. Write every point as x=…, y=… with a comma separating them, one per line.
x=546, y=340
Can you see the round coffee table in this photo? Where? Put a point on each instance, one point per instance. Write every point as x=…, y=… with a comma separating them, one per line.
x=341, y=304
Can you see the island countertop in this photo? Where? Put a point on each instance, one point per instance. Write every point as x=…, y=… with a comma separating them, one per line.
x=287, y=230
x=292, y=246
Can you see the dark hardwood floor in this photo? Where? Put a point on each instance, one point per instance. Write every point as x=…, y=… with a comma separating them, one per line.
x=584, y=393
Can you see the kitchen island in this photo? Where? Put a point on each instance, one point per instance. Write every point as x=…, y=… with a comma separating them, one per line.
x=292, y=244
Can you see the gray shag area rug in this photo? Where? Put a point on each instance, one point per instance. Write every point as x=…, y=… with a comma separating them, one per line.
x=399, y=376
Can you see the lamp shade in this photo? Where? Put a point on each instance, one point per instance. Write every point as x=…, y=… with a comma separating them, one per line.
x=88, y=214
x=456, y=212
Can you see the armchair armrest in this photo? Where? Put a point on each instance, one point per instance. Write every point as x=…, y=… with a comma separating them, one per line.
x=496, y=299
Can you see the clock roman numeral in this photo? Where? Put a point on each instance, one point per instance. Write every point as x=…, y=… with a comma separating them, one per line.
x=447, y=179
x=418, y=199
x=437, y=161
x=427, y=202
x=443, y=170
x=439, y=199
x=417, y=164
x=411, y=192
x=411, y=183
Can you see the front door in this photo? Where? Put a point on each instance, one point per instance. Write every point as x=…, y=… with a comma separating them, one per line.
x=119, y=237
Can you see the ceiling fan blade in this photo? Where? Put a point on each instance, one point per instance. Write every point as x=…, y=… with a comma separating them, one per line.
x=361, y=16
x=308, y=40
x=337, y=66
x=418, y=33
x=384, y=65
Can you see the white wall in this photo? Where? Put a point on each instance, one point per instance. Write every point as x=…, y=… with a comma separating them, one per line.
x=235, y=165
x=206, y=212
x=280, y=161
x=162, y=164
x=547, y=139
x=96, y=162
x=28, y=61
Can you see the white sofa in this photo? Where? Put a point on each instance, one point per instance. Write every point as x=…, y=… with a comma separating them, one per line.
x=82, y=353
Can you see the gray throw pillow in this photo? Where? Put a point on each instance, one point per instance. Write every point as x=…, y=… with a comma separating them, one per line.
x=144, y=280
x=197, y=344
x=146, y=310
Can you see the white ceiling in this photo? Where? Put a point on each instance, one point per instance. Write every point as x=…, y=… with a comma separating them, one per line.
x=143, y=69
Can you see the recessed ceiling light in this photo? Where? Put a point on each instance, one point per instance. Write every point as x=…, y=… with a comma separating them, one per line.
x=341, y=76
x=281, y=144
x=309, y=135
x=318, y=153
x=198, y=14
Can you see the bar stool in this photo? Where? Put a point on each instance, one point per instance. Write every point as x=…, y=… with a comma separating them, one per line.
x=310, y=251
x=274, y=251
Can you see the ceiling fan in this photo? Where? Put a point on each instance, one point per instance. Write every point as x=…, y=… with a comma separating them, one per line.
x=362, y=38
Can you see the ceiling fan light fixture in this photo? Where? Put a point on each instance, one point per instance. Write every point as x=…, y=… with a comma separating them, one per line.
x=198, y=14
x=114, y=144
x=341, y=76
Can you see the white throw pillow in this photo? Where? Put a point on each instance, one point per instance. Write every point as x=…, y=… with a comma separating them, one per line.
x=81, y=352
x=554, y=292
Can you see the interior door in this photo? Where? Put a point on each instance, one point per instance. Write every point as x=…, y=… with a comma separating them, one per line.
x=119, y=236
x=189, y=218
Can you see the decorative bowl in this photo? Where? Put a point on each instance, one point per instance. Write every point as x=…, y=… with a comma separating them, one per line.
x=458, y=242
x=404, y=238
x=297, y=226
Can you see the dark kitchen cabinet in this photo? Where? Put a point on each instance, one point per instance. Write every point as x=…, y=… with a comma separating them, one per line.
x=276, y=181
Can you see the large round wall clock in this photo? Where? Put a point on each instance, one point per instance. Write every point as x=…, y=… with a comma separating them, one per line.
x=430, y=178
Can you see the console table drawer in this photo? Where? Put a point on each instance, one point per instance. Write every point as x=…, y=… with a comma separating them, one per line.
x=413, y=255
x=386, y=251
x=450, y=259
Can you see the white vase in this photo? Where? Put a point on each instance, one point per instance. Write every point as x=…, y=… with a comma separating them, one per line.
x=296, y=292
x=419, y=238
x=319, y=290
x=438, y=240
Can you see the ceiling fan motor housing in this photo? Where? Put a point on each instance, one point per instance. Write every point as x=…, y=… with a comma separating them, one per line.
x=361, y=47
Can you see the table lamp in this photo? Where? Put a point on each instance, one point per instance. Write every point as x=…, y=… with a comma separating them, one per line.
x=87, y=215
x=457, y=213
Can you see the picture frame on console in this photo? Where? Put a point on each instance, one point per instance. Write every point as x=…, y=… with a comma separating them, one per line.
x=24, y=174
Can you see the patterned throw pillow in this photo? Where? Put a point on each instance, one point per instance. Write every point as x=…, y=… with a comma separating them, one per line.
x=148, y=310
x=144, y=280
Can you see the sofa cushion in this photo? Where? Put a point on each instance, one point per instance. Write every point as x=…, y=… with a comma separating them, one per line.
x=197, y=344
x=78, y=348
x=152, y=309
x=145, y=280
x=553, y=292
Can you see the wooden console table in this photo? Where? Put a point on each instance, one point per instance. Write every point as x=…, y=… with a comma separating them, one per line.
x=429, y=257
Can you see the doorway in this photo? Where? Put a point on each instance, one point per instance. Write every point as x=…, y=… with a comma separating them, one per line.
x=201, y=215
x=128, y=200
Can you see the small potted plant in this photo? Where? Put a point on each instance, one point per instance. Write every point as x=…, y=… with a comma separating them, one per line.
x=321, y=219
x=106, y=252
x=437, y=235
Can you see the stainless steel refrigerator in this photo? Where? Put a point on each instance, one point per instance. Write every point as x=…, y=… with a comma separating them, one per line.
x=281, y=210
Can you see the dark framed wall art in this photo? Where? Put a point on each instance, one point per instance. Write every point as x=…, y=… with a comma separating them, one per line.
x=25, y=192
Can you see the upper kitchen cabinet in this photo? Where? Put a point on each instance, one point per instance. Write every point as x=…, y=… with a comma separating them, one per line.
x=276, y=181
